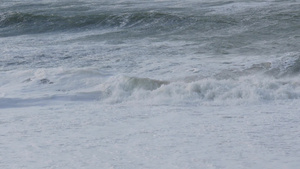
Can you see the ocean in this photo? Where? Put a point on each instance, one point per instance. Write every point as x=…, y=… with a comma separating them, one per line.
x=150, y=84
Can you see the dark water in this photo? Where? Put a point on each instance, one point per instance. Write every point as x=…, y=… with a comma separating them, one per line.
x=231, y=24
x=156, y=43
x=93, y=33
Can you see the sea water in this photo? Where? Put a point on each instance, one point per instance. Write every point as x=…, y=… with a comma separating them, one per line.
x=150, y=84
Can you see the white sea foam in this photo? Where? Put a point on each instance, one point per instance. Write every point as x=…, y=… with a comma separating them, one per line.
x=244, y=90
x=228, y=87
x=157, y=84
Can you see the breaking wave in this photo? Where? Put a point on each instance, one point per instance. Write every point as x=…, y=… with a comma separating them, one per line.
x=264, y=82
x=268, y=81
x=201, y=91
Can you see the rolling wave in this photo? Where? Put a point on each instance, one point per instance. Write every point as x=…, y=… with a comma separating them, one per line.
x=263, y=82
x=27, y=23
x=243, y=89
x=257, y=22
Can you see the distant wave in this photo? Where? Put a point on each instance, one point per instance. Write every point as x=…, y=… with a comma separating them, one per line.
x=27, y=23
x=273, y=21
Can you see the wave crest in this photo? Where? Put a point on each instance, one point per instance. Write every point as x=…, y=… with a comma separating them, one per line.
x=242, y=90
x=26, y=23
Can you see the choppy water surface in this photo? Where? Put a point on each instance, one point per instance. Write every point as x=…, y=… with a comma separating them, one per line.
x=149, y=84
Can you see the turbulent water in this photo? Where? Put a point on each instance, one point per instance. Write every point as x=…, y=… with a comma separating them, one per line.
x=149, y=84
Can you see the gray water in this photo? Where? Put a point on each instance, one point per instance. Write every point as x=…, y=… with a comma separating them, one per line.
x=149, y=84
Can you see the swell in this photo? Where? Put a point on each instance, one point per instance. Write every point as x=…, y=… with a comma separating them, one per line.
x=28, y=23
x=257, y=23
